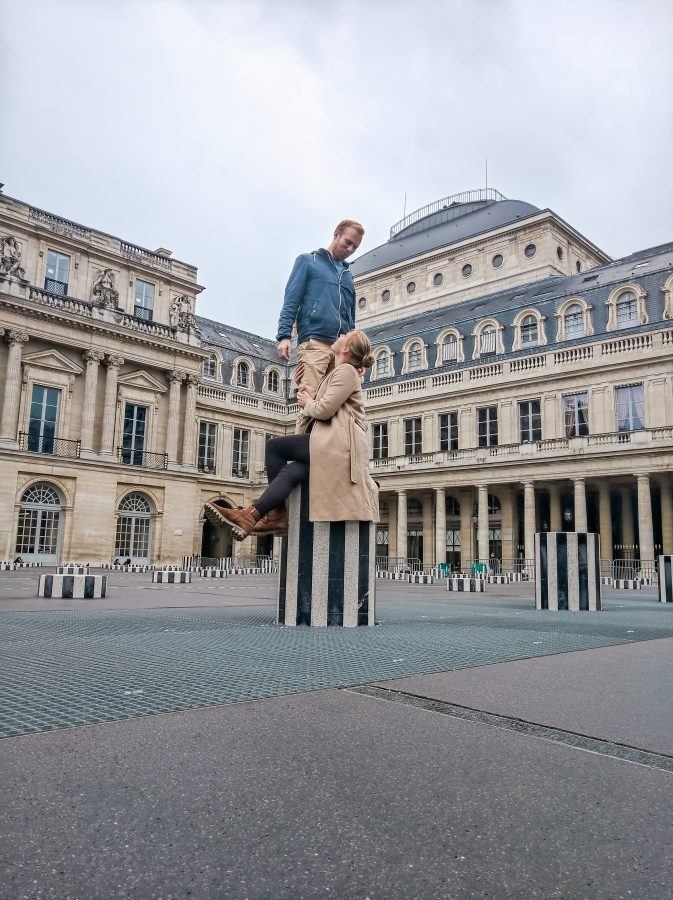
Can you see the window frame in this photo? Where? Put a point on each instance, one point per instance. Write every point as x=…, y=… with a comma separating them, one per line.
x=206, y=451
x=380, y=446
x=448, y=431
x=413, y=436
x=530, y=433
x=487, y=426
x=634, y=414
x=576, y=427
x=240, y=452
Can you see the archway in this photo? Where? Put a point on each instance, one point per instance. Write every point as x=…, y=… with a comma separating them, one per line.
x=134, y=529
x=39, y=528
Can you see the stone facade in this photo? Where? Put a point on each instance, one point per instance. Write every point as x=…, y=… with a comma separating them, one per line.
x=534, y=393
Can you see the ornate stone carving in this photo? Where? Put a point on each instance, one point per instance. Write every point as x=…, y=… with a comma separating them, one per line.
x=113, y=361
x=17, y=337
x=181, y=314
x=96, y=356
x=104, y=291
x=175, y=375
x=192, y=378
x=10, y=257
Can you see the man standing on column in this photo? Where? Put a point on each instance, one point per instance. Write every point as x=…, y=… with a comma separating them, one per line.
x=320, y=300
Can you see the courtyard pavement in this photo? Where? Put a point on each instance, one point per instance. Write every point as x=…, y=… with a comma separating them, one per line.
x=172, y=742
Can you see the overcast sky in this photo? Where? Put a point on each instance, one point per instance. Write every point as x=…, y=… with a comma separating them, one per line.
x=238, y=132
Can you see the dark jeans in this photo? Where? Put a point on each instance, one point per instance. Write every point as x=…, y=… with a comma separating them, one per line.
x=287, y=464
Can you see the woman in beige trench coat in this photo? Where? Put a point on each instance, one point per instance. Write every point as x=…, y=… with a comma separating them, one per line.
x=333, y=453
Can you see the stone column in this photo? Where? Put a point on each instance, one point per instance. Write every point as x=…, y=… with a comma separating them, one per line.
x=466, y=530
x=645, y=531
x=555, y=521
x=428, y=549
x=12, y=392
x=402, y=540
x=667, y=517
x=482, y=522
x=440, y=526
x=580, y=505
x=93, y=359
x=628, y=533
x=113, y=364
x=529, y=520
x=392, y=524
x=189, y=433
x=175, y=379
x=605, y=520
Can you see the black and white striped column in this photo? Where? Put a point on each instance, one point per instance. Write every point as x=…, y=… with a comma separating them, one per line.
x=567, y=571
x=666, y=579
x=73, y=587
x=327, y=570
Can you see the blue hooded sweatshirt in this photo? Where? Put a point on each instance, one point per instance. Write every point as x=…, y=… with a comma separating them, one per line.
x=319, y=297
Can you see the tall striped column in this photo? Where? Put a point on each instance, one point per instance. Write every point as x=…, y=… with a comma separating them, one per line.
x=567, y=571
x=327, y=570
x=666, y=579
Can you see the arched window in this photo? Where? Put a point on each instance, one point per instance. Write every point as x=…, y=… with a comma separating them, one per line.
x=272, y=381
x=627, y=310
x=209, y=367
x=134, y=517
x=450, y=348
x=242, y=375
x=529, y=331
x=574, y=321
x=39, y=524
x=487, y=340
x=382, y=368
x=415, y=357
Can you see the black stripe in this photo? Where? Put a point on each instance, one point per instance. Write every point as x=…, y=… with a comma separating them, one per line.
x=583, y=570
x=562, y=570
x=337, y=564
x=48, y=585
x=543, y=575
x=597, y=571
x=305, y=561
x=68, y=584
x=363, y=574
x=666, y=590
x=89, y=587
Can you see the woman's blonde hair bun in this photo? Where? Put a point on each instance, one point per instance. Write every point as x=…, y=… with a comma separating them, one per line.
x=360, y=348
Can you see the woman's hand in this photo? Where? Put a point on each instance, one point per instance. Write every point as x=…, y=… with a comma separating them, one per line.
x=303, y=397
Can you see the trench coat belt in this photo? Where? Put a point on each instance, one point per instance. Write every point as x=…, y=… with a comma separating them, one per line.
x=355, y=457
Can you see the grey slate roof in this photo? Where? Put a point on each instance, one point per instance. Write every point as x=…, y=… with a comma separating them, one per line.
x=406, y=245
x=226, y=337
x=648, y=268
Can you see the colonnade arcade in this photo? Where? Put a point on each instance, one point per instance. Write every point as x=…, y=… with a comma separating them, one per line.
x=497, y=522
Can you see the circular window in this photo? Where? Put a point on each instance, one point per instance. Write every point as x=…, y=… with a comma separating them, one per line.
x=438, y=279
x=362, y=302
x=578, y=266
x=559, y=252
x=385, y=296
x=467, y=270
x=496, y=262
x=411, y=287
x=530, y=250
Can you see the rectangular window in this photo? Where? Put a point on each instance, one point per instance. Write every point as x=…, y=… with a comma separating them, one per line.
x=627, y=312
x=133, y=440
x=382, y=366
x=487, y=341
x=144, y=304
x=207, y=444
x=576, y=415
x=209, y=368
x=43, y=416
x=239, y=463
x=380, y=441
x=487, y=426
x=448, y=431
x=450, y=349
x=58, y=272
x=530, y=421
x=630, y=405
x=413, y=442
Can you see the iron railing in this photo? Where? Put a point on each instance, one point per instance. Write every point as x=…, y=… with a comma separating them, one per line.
x=630, y=569
x=403, y=564
x=142, y=312
x=60, y=288
x=52, y=445
x=239, y=472
x=143, y=458
x=206, y=466
x=474, y=196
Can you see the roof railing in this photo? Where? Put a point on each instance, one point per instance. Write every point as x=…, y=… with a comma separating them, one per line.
x=465, y=197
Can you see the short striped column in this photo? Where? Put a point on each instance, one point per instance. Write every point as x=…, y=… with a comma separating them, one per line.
x=72, y=569
x=213, y=573
x=73, y=587
x=171, y=577
x=568, y=568
x=327, y=570
x=420, y=578
x=498, y=579
x=666, y=579
x=470, y=585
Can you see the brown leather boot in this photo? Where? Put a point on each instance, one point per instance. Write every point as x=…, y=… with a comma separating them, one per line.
x=274, y=522
x=242, y=521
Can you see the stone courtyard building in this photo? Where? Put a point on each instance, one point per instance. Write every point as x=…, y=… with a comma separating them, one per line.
x=523, y=381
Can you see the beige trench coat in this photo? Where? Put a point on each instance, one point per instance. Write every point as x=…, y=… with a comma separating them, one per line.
x=340, y=484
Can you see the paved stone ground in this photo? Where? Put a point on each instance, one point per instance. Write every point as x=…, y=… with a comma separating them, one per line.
x=463, y=748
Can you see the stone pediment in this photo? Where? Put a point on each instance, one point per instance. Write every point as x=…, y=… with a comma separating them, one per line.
x=143, y=381
x=51, y=359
